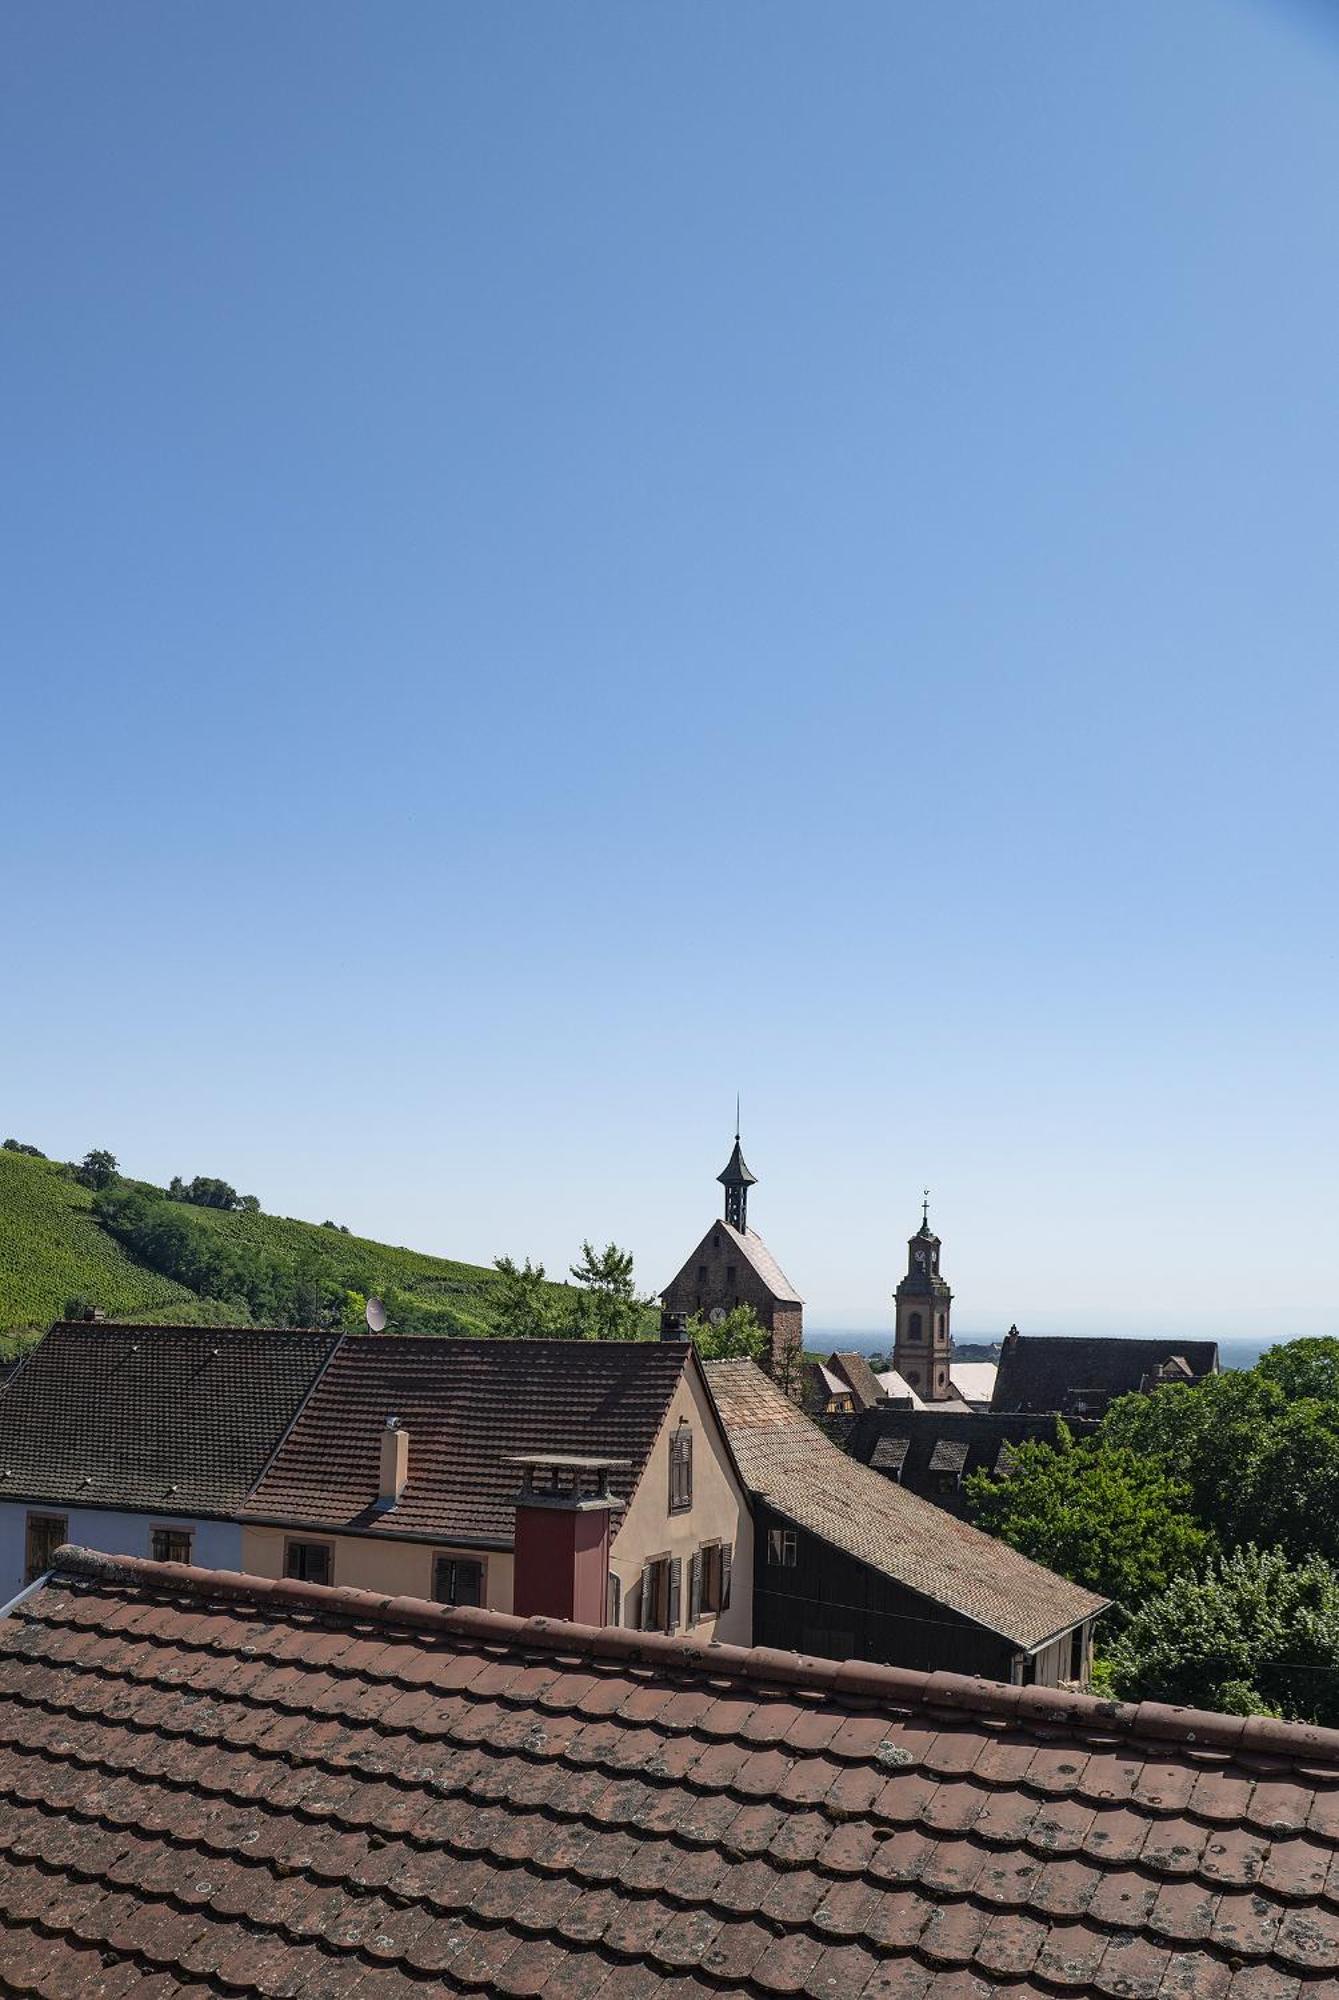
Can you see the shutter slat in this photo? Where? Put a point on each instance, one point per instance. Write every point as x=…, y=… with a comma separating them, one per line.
x=725, y=1576
x=648, y=1597
x=675, y=1593
x=695, y=1588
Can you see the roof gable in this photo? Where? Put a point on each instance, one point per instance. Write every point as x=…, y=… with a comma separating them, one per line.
x=103, y=1415
x=750, y=1246
x=786, y=1460
x=468, y=1406
x=216, y=1784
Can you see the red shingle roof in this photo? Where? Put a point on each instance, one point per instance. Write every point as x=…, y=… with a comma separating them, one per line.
x=469, y=1407
x=214, y=1784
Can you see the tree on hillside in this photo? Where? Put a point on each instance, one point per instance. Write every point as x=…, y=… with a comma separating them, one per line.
x=524, y=1305
x=1301, y=1368
x=738, y=1336
x=1097, y=1513
x=607, y=1306
x=17, y=1146
x=205, y=1191
x=97, y=1170
x=1254, y=1634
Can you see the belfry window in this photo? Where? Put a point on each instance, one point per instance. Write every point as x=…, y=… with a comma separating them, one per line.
x=914, y=1327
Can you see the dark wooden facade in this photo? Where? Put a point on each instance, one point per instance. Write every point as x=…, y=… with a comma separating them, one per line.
x=829, y=1603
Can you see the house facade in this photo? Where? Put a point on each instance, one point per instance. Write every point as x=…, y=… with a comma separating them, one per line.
x=402, y=1474
x=143, y=1440
x=848, y=1564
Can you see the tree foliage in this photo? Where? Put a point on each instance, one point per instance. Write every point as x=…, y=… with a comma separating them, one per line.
x=206, y=1192
x=607, y=1305
x=525, y=1305
x=97, y=1170
x=18, y=1146
x=1303, y=1368
x=738, y=1336
x=1098, y=1513
x=1252, y=1634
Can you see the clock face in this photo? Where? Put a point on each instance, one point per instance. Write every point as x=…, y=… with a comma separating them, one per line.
x=716, y=1315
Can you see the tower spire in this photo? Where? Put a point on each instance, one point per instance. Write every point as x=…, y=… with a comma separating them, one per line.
x=737, y=1180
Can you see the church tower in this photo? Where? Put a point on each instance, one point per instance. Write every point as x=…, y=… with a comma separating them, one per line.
x=737, y=1180
x=923, y=1303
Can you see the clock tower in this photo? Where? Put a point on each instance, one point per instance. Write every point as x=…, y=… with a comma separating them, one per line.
x=923, y=1303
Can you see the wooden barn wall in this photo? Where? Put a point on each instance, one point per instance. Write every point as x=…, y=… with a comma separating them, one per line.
x=833, y=1605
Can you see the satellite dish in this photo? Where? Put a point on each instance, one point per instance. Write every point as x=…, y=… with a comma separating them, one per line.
x=375, y=1314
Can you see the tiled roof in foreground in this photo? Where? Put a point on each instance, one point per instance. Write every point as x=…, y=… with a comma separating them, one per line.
x=213, y=1784
x=787, y=1461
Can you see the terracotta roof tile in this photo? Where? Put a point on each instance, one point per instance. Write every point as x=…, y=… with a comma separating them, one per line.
x=787, y=1460
x=469, y=1407
x=698, y=1821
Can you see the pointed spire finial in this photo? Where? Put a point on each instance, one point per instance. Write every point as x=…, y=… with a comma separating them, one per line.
x=736, y=1117
x=925, y=1208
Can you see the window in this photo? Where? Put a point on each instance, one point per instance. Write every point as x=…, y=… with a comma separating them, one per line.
x=46, y=1532
x=702, y=1274
x=914, y=1327
x=1076, y=1653
x=457, y=1580
x=613, y=1610
x=681, y=1471
x=941, y=1323
x=709, y=1581
x=171, y=1545
x=782, y=1547
x=662, y=1582
x=729, y=1274
x=309, y=1562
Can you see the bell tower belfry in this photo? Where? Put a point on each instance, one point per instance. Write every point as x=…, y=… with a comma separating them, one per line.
x=737, y=1180
x=922, y=1340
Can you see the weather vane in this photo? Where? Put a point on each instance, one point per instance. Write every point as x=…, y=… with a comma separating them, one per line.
x=925, y=1208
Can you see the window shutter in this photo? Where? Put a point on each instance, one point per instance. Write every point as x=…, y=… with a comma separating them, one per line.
x=725, y=1576
x=675, y=1592
x=648, y=1596
x=695, y=1587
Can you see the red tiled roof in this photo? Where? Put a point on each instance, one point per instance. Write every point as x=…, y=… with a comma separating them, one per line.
x=214, y=1783
x=103, y=1415
x=786, y=1460
x=469, y=1406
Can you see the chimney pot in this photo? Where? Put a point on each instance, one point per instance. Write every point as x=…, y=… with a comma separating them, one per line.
x=673, y=1325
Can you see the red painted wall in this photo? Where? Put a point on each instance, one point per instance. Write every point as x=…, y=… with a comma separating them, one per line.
x=562, y=1564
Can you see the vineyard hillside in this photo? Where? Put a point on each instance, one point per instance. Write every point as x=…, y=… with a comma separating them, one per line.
x=53, y=1249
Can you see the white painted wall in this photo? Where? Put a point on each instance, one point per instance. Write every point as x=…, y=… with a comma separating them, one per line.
x=217, y=1544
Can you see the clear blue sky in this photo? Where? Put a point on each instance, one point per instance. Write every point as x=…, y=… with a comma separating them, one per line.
x=563, y=561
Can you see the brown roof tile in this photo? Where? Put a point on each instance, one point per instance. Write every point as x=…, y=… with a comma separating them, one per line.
x=468, y=1406
x=181, y=1418
x=1058, y=1845
x=788, y=1461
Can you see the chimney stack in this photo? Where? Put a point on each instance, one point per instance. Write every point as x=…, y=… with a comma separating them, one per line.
x=673, y=1325
x=394, y=1464
x=563, y=1531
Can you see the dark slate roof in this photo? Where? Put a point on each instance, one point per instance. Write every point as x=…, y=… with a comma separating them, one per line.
x=787, y=1461
x=469, y=1406
x=215, y=1784
x=736, y=1174
x=102, y=1415
x=854, y=1369
x=943, y=1438
x=1064, y=1372
x=764, y=1263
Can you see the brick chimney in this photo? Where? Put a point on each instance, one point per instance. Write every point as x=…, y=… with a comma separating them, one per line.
x=394, y=1464
x=563, y=1531
x=673, y=1325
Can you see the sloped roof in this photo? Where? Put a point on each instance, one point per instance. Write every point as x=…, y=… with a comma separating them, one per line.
x=735, y=1173
x=895, y=1385
x=980, y=1434
x=854, y=1369
x=973, y=1380
x=174, y=1417
x=786, y=1460
x=1058, y=1371
x=469, y=1406
x=214, y=1783
x=764, y=1263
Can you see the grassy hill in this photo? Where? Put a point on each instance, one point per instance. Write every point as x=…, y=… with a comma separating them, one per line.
x=52, y=1248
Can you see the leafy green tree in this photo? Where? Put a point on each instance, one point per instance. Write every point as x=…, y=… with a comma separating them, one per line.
x=1259, y=1468
x=97, y=1170
x=607, y=1305
x=1098, y=1513
x=524, y=1305
x=17, y=1146
x=1254, y=1634
x=1303, y=1368
x=738, y=1336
